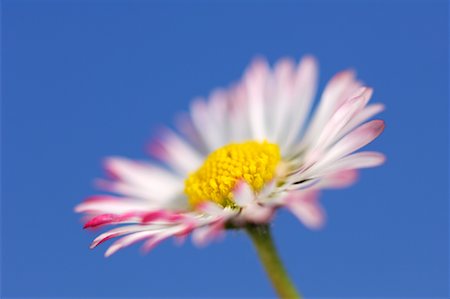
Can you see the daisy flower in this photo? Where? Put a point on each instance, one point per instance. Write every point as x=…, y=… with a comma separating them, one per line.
x=239, y=156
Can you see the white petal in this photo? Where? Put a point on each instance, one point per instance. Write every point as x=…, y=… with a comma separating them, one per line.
x=239, y=121
x=335, y=93
x=157, y=183
x=243, y=194
x=185, y=124
x=210, y=119
x=255, y=81
x=280, y=99
x=304, y=91
x=176, y=152
x=111, y=205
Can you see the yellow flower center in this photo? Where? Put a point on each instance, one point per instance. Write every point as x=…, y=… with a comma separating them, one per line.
x=251, y=161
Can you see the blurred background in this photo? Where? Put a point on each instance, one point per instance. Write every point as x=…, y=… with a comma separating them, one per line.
x=82, y=80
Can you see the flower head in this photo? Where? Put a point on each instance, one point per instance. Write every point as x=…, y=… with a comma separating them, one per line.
x=241, y=155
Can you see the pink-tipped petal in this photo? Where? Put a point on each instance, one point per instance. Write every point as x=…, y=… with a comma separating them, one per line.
x=101, y=220
x=360, y=137
x=128, y=240
x=337, y=90
x=340, y=179
x=162, y=215
x=342, y=117
x=106, y=219
x=358, y=160
x=163, y=235
x=256, y=213
x=355, y=140
x=367, y=113
x=116, y=232
x=203, y=235
x=305, y=206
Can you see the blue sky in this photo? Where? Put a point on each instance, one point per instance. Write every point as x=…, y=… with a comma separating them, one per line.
x=82, y=80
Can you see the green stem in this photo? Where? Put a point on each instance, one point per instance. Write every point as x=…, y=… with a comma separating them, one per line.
x=261, y=237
